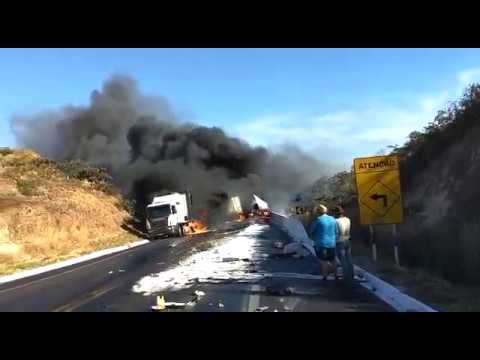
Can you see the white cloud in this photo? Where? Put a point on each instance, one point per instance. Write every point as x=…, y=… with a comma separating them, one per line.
x=279, y=129
x=340, y=117
x=468, y=76
x=369, y=128
x=390, y=135
x=348, y=133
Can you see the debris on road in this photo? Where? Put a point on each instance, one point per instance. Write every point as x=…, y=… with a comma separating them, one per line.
x=175, y=305
x=113, y=272
x=198, y=293
x=278, y=244
x=160, y=304
x=279, y=290
x=296, y=248
x=227, y=260
x=262, y=308
x=247, y=281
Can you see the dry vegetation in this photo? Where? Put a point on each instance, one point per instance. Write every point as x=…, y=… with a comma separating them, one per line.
x=440, y=172
x=51, y=211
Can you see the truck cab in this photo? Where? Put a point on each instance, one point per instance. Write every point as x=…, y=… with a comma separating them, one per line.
x=167, y=214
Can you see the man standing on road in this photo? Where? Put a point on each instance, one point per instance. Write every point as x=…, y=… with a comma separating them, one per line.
x=324, y=232
x=343, y=248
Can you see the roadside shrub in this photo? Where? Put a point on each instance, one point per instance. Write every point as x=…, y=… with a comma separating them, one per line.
x=107, y=188
x=27, y=187
x=80, y=170
x=125, y=204
x=43, y=162
x=469, y=241
x=5, y=151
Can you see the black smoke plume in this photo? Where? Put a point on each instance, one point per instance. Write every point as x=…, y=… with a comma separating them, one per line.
x=146, y=149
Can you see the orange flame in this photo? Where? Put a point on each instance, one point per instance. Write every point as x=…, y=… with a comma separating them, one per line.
x=195, y=227
x=264, y=216
x=240, y=217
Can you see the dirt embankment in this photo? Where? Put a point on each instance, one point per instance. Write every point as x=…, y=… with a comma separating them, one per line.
x=46, y=214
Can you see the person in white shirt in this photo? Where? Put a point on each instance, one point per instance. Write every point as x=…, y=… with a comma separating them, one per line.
x=343, y=248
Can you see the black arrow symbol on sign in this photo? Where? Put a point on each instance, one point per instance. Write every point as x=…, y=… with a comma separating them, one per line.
x=377, y=197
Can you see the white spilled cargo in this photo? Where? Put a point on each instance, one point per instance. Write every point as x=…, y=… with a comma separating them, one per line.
x=230, y=259
x=296, y=248
x=295, y=231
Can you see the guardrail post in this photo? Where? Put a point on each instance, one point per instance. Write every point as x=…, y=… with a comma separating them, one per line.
x=395, y=244
x=372, y=241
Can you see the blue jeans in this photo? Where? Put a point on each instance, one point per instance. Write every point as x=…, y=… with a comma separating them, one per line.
x=344, y=253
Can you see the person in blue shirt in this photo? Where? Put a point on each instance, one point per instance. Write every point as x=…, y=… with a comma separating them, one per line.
x=323, y=232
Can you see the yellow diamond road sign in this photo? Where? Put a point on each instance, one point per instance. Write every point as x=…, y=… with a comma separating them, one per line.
x=380, y=199
x=379, y=191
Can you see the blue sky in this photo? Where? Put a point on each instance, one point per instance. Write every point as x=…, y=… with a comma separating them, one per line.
x=335, y=103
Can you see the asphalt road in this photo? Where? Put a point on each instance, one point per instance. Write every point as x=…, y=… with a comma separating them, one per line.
x=105, y=284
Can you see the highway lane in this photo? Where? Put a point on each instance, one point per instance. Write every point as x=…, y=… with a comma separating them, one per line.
x=106, y=284
x=50, y=291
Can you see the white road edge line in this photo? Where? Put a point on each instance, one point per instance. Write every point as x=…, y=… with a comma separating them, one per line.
x=69, y=262
x=254, y=299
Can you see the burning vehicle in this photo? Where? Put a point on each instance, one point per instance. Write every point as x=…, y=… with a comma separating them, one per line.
x=168, y=214
x=260, y=207
x=145, y=147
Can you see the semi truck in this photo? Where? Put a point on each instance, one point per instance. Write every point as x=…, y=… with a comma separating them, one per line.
x=167, y=214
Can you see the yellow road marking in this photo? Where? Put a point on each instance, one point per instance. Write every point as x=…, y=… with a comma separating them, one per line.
x=85, y=300
x=65, y=272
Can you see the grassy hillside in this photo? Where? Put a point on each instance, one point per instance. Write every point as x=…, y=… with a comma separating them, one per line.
x=51, y=211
